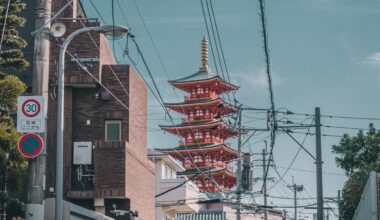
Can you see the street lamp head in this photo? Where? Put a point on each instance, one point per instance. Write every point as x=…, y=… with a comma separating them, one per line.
x=113, y=31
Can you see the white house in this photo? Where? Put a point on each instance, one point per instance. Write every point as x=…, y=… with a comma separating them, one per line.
x=174, y=194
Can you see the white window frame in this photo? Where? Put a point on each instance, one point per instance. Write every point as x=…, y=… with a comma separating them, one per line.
x=112, y=122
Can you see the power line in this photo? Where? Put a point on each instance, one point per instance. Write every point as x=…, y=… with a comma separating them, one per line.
x=342, y=127
x=214, y=37
x=162, y=64
x=333, y=116
x=312, y=134
x=220, y=42
x=311, y=171
x=273, y=123
x=208, y=34
x=175, y=187
x=167, y=112
x=4, y=25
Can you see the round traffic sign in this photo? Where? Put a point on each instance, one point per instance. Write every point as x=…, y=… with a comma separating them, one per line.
x=30, y=145
x=31, y=107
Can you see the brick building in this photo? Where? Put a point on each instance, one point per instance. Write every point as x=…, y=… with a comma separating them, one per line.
x=105, y=152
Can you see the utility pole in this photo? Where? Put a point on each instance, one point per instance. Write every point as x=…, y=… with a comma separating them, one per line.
x=339, y=211
x=265, y=186
x=36, y=173
x=295, y=189
x=238, y=181
x=319, y=163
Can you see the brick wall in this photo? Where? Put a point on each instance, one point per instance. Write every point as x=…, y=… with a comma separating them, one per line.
x=139, y=170
x=122, y=169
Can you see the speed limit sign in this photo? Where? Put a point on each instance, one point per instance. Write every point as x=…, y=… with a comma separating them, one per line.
x=30, y=114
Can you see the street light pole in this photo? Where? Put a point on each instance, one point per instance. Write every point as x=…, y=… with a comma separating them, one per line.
x=105, y=29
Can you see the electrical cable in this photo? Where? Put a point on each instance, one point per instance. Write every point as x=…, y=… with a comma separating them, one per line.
x=294, y=158
x=208, y=34
x=175, y=187
x=220, y=42
x=273, y=121
x=4, y=25
x=167, y=112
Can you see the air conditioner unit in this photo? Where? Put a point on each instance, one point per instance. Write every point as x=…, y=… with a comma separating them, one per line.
x=82, y=153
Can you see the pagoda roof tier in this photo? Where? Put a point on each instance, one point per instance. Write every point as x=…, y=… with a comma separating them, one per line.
x=219, y=103
x=203, y=77
x=220, y=148
x=206, y=172
x=181, y=129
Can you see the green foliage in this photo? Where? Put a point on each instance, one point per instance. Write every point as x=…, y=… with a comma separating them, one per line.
x=353, y=189
x=10, y=88
x=358, y=151
x=357, y=156
x=13, y=166
x=11, y=56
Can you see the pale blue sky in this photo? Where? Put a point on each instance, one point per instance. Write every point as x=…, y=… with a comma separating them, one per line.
x=324, y=53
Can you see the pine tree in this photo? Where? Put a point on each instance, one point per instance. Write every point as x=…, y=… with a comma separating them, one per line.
x=11, y=56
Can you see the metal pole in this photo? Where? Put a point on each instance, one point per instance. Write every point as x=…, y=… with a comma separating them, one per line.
x=34, y=209
x=319, y=163
x=295, y=201
x=4, y=205
x=339, y=211
x=238, y=181
x=265, y=186
x=60, y=121
x=61, y=106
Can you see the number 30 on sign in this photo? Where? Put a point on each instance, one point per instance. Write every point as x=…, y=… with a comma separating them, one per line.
x=30, y=114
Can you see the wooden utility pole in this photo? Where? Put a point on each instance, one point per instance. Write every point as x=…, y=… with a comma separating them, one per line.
x=37, y=166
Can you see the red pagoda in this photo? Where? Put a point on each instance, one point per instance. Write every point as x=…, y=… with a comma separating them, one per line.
x=203, y=150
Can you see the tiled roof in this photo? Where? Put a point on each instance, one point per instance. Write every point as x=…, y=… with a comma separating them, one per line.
x=200, y=75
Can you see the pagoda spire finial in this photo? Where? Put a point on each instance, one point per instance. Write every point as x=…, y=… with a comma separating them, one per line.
x=204, y=57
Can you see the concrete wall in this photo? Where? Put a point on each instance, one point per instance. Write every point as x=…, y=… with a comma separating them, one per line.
x=72, y=212
x=368, y=207
x=167, y=204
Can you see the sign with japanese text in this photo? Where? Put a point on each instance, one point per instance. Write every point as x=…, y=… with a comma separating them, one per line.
x=30, y=114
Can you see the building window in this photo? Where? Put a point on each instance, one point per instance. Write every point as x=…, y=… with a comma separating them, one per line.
x=113, y=131
x=168, y=218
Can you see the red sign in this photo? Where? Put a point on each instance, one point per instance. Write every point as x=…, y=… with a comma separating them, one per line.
x=31, y=108
x=30, y=145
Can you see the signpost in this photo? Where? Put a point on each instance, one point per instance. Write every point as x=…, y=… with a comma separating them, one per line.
x=30, y=145
x=30, y=114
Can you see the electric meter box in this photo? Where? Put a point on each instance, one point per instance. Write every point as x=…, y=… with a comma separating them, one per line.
x=82, y=153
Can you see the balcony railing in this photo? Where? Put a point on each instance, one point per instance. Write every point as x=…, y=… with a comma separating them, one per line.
x=201, y=141
x=205, y=118
x=203, y=96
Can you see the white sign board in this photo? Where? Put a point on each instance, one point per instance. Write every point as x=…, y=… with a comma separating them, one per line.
x=30, y=114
